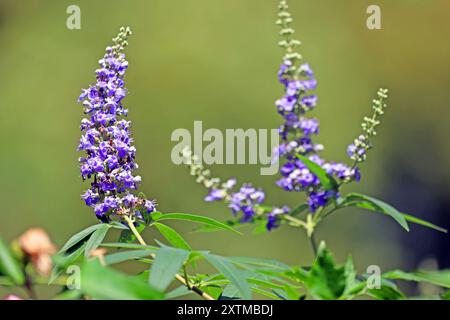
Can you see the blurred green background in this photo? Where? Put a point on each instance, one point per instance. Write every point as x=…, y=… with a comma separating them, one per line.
x=216, y=61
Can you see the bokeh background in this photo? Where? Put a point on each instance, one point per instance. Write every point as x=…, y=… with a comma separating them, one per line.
x=216, y=61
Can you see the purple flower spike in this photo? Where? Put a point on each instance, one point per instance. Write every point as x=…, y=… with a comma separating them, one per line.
x=109, y=153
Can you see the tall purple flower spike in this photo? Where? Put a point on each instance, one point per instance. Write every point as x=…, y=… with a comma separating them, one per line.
x=109, y=154
x=297, y=131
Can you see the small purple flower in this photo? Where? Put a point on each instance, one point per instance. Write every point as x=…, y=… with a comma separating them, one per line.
x=273, y=217
x=150, y=206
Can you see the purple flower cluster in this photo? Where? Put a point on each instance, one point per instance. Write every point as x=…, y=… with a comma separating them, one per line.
x=296, y=138
x=109, y=154
x=247, y=200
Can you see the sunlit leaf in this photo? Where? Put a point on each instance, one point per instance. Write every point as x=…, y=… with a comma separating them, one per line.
x=173, y=237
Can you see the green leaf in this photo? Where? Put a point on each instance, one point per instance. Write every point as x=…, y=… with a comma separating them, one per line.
x=265, y=293
x=128, y=246
x=213, y=291
x=122, y=256
x=259, y=262
x=423, y=223
x=174, y=238
x=96, y=239
x=350, y=273
x=235, y=224
x=387, y=291
x=325, y=280
x=232, y=273
x=230, y=292
x=446, y=295
x=366, y=202
x=80, y=236
x=63, y=260
x=197, y=219
x=439, y=278
x=9, y=266
x=69, y=295
x=127, y=236
x=178, y=292
x=261, y=227
x=326, y=180
x=167, y=263
x=299, y=209
x=107, y=284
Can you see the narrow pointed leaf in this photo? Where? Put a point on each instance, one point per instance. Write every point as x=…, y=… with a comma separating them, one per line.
x=80, y=236
x=232, y=273
x=196, y=219
x=366, y=202
x=167, y=263
x=123, y=256
x=96, y=239
x=174, y=238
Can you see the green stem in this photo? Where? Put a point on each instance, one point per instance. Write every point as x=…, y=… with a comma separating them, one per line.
x=313, y=244
x=297, y=222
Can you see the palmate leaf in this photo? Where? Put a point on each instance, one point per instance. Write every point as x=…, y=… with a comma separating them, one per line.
x=107, y=284
x=9, y=266
x=325, y=280
x=167, y=263
x=196, y=219
x=326, y=180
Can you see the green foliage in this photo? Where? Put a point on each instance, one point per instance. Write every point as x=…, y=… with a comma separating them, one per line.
x=79, y=237
x=9, y=266
x=173, y=237
x=231, y=272
x=366, y=202
x=439, y=278
x=325, y=280
x=128, y=255
x=196, y=219
x=104, y=283
x=167, y=263
x=96, y=239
